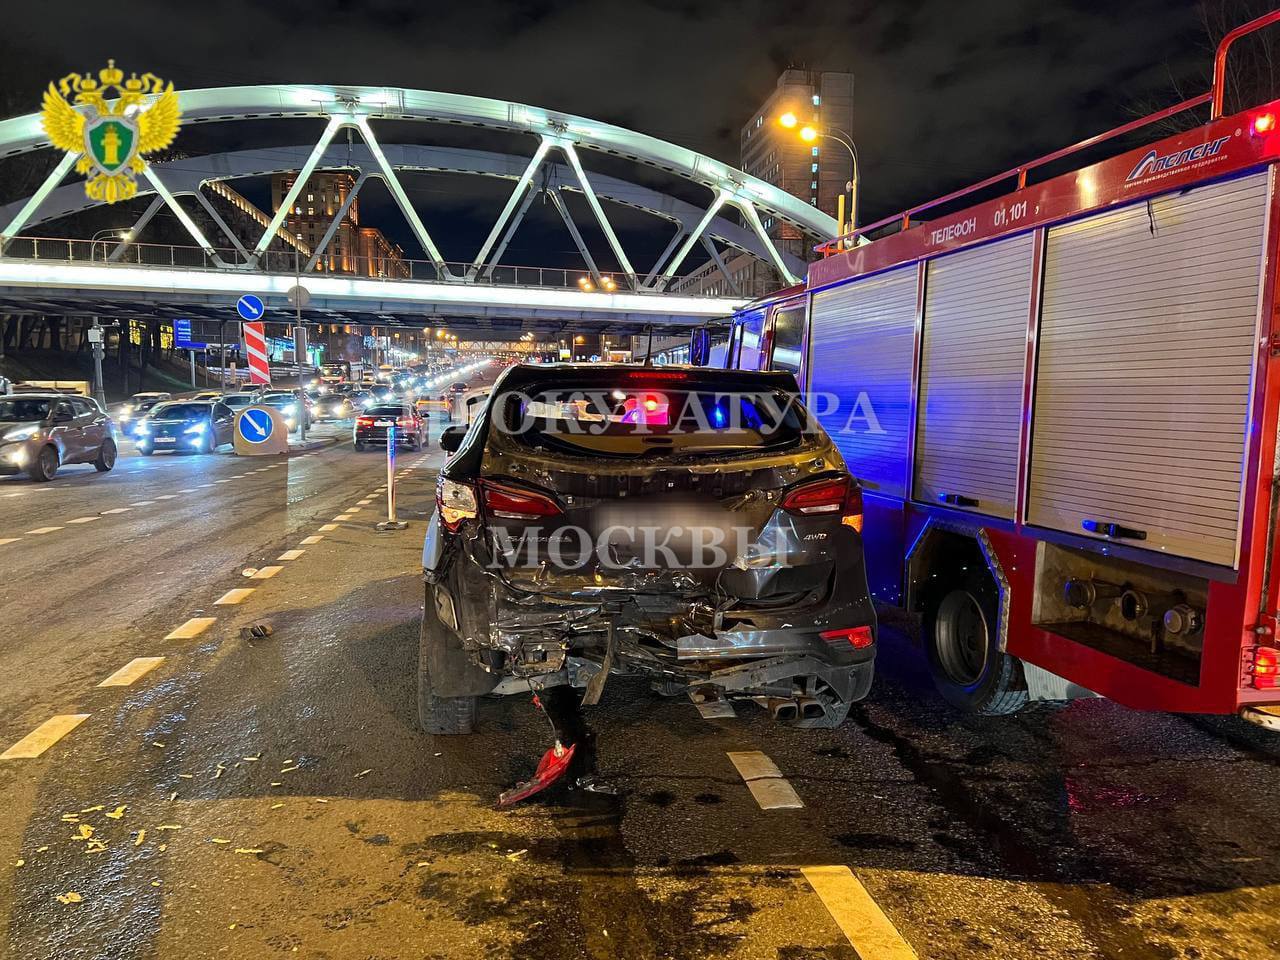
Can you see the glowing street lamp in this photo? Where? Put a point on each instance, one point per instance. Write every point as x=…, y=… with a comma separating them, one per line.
x=810, y=134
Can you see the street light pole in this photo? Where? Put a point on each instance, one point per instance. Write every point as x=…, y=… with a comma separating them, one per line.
x=125, y=234
x=846, y=141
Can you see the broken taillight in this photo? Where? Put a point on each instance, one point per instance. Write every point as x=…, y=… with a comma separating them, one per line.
x=1265, y=670
x=857, y=637
x=456, y=502
x=517, y=503
x=833, y=495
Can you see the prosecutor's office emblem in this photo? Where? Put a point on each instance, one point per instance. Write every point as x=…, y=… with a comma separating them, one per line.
x=111, y=139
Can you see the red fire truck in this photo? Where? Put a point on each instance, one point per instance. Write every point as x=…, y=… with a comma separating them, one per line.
x=1062, y=406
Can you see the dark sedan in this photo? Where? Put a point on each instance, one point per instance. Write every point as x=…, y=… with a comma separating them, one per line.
x=192, y=425
x=372, y=426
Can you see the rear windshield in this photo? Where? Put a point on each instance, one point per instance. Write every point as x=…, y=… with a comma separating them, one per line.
x=629, y=422
x=181, y=411
x=387, y=410
x=238, y=399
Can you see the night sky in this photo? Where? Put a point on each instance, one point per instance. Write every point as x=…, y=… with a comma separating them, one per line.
x=946, y=91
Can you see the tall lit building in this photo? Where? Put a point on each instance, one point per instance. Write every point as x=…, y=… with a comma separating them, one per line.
x=815, y=172
x=353, y=249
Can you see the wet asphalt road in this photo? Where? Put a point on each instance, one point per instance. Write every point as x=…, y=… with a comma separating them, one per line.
x=291, y=808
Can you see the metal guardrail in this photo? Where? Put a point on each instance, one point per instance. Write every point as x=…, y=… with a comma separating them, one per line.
x=116, y=252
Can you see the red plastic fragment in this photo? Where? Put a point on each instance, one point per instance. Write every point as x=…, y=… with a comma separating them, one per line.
x=550, y=769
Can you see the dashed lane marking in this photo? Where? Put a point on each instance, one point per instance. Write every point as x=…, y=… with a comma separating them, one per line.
x=328, y=527
x=313, y=539
x=223, y=480
x=107, y=513
x=354, y=509
x=41, y=530
x=870, y=932
x=266, y=573
x=765, y=781
x=291, y=555
x=188, y=490
x=192, y=628
x=167, y=496
x=135, y=669
x=142, y=503
x=44, y=736
x=84, y=520
x=232, y=597
x=345, y=516
x=366, y=501
x=9, y=540
x=205, y=485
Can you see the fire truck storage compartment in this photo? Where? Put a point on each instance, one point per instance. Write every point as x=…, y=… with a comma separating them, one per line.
x=861, y=354
x=973, y=359
x=1148, y=327
x=1145, y=615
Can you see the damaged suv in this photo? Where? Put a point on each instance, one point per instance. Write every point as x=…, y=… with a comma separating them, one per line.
x=696, y=527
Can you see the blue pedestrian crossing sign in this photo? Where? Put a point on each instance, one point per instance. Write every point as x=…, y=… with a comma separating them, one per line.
x=255, y=425
x=250, y=307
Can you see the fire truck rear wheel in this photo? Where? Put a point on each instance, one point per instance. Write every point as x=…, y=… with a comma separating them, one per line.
x=961, y=641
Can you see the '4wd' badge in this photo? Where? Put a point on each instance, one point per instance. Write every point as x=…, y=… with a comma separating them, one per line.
x=111, y=137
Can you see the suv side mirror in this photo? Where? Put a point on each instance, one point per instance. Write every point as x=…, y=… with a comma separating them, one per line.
x=700, y=347
x=451, y=439
x=63, y=415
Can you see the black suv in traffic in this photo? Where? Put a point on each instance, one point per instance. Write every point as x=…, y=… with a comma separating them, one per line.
x=696, y=527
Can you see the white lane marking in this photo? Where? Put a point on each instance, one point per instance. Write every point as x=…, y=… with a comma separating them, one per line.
x=266, y=573
x=188, y=490
x=765, y=781
x=44, y=736
x=238, y=476
x=206, y=485
x=366, y=501
x=291, y=555
x=42, y=530
x=142, y=503
x=232, y=597
x=106, y=513
x=870, y=932
x=223, y=480
x=84, y=520
x=313, y=539
x=328, y=527
x=192, y=628
x=9, y=540
x=167, y=496
x=353, y=509
x=134, y=670
x=345, y=516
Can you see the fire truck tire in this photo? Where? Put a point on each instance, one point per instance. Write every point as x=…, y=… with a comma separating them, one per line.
x=441, y=716
x=962, y=646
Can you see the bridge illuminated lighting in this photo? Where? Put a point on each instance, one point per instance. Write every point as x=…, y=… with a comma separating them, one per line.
x=342, y=291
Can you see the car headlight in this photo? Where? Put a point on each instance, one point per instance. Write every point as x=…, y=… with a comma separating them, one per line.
x=196, y=428
x=22, y=433
x=142, y=429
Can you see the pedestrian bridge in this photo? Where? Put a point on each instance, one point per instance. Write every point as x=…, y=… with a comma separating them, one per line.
x=737, y=215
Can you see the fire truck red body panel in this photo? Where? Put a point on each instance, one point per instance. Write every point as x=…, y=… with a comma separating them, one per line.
x=1239, y=598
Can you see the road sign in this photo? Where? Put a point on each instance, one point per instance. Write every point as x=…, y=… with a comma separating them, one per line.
x=182, y=337
x=255, y=426
x=255, y=346
x=299, y=297
x=250, y=307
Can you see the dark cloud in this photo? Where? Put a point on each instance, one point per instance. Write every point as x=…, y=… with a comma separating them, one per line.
x=946, y=90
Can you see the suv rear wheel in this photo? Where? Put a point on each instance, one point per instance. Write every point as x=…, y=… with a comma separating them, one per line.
x=962, y=645
x=439, y=715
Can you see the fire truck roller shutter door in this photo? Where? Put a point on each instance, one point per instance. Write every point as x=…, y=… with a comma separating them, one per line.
x=972, y=363
x=862, y=350
x=1148, y=331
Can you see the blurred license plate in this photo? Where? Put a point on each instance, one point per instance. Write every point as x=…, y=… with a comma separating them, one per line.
x=382, y=423
x=166, y=439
